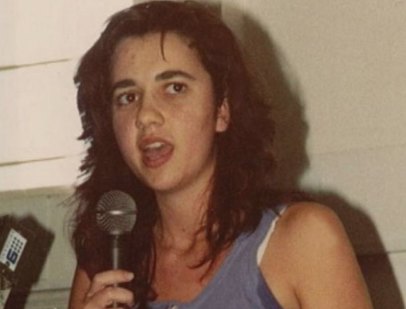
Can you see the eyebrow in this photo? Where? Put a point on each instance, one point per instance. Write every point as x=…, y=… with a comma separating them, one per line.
x=173, y=73
x=122, y=84
x=161, y=76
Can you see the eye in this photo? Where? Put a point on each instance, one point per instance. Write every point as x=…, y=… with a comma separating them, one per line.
x=127, y=98
x=176, y=88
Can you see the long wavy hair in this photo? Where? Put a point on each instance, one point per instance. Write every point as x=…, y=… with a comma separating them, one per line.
x=241, y=181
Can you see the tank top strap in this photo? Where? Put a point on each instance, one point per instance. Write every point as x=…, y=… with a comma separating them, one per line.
x=268, y=225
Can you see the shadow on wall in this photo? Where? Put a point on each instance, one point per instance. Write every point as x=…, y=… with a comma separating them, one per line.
x=32, y=261
x=281, y=90
x=270, y=70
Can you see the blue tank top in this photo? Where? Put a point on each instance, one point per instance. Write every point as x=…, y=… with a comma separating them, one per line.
x=239, y=282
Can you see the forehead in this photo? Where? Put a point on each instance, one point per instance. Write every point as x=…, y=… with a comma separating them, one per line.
x=152, y=47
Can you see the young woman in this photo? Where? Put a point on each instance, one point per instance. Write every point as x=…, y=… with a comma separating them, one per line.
x=171, y=118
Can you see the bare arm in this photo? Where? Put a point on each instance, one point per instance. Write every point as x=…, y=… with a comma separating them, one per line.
x=311, y=255
x=99, y=292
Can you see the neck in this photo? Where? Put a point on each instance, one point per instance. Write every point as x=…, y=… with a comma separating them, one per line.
x=182, y=217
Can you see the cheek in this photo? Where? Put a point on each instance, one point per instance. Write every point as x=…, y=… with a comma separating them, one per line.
x=118, y=130
x=124, y=135
x=201, y=130
x=197, y=122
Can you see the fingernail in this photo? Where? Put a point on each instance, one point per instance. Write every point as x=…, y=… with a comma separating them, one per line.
x=129, y=276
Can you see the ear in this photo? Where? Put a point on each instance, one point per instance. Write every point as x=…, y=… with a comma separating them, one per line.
x=223, y=116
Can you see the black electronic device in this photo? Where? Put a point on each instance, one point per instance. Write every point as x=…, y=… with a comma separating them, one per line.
x=14, y=241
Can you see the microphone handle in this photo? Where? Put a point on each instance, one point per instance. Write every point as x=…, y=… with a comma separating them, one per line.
x=116, y=260
x=116, y=252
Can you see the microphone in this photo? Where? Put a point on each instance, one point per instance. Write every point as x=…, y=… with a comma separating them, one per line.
x=116, y=214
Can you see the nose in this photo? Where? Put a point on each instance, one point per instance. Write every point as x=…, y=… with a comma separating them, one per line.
x=149, y=113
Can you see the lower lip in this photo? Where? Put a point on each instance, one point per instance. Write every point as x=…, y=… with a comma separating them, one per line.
x=159, y=160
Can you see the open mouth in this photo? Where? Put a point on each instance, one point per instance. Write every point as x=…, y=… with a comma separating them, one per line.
x=156, y=153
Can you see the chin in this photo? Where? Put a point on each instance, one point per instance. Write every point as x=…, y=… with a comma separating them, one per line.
x=161, y=185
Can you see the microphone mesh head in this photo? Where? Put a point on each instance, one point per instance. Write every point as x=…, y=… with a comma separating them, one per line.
x=116, y=212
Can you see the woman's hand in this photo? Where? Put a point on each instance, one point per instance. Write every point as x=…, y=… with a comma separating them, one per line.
x=101, y=292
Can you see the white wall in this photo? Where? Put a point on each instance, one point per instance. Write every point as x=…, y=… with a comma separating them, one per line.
x=342, y=65
x=42, y=42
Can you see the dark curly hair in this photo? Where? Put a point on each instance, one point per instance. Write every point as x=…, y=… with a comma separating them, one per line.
x=241, y=182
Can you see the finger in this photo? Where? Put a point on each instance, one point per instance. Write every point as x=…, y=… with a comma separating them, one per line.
x=109, y=278
x=110, y=295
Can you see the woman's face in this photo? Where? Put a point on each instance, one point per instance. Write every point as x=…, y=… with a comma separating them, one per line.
x=164, y=112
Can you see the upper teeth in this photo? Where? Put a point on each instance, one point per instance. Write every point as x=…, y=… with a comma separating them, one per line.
x=154, y=145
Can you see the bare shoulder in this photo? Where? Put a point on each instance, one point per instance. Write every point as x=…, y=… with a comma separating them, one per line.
x=310, y=257
x=309, y=233
x=306, y=233
x=311, y=220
